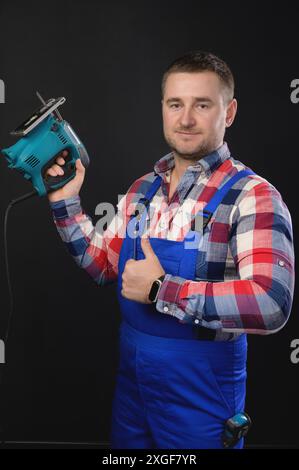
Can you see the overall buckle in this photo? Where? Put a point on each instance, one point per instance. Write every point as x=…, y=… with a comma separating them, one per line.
x=206, y=215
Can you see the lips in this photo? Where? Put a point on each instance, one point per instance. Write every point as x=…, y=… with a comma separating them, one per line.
x=187, y=133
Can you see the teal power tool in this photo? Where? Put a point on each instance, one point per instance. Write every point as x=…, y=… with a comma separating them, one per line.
x=45, y=134
x=235, y=428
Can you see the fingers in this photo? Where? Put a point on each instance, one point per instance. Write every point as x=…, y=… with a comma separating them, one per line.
x=56, y=170
x=60, y=161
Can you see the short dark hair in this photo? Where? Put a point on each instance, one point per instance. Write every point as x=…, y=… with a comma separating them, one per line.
x=200, y=61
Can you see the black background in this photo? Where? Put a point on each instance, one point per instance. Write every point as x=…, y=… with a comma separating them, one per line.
x=107, y=58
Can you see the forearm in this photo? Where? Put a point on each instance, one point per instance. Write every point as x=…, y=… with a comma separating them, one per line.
x=245, y=305
x=85, y=244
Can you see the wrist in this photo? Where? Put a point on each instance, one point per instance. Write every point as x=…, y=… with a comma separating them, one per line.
x=60, y=195
x=65, y=208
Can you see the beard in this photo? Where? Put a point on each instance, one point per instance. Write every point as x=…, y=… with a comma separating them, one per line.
x=199, y=151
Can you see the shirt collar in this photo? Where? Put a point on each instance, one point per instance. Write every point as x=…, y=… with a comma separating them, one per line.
x=207, y=164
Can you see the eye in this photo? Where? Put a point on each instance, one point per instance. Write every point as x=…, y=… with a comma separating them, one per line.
x=174, y=105
x=202, y=106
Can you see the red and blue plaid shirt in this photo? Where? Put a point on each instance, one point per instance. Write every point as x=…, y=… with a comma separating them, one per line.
x=245, y=274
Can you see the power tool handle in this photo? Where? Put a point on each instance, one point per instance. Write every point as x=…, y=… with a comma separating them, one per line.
x=56, y=182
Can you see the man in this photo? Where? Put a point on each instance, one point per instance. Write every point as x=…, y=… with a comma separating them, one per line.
x=202, y=251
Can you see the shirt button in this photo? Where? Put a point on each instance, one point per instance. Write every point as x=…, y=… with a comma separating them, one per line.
x=165, y=308
x=281, y=263
x=196, y=321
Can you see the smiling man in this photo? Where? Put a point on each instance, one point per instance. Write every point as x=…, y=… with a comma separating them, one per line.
x=214, y=263
x=196, y=109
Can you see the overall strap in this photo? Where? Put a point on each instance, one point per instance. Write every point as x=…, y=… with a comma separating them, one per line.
x=142, y=205
x=151, y=191
x=214, y=202
x=146, y=199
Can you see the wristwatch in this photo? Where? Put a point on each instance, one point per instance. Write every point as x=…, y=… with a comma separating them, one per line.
x=156, y=286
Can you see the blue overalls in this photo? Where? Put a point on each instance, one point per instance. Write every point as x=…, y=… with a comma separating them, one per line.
x=174, y=390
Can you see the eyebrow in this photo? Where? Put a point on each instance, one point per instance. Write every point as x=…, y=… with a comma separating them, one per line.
x=198, y=99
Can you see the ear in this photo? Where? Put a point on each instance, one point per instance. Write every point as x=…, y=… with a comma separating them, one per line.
x=231, y=112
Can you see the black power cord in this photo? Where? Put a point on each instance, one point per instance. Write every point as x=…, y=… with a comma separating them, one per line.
x=10, y=205
x=6, y=335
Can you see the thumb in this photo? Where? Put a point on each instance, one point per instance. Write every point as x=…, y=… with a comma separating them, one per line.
x=146, y=247
x=79, y=166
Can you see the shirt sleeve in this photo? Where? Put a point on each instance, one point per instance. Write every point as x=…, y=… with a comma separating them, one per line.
x=260, y=299
x=93, y=249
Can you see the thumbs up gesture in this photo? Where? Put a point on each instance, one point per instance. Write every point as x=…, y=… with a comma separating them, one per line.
x=138, y=276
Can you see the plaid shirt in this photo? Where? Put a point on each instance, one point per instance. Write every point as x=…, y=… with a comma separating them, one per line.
x=245, y=268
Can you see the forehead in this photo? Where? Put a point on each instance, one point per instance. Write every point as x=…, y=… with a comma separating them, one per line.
x=192, y=84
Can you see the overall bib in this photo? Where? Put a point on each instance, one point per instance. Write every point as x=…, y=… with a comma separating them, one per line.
x=175, y=389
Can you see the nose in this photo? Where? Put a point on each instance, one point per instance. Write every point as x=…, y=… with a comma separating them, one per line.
x=187, y=119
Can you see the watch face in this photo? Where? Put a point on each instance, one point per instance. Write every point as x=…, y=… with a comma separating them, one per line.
x=154, y=290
